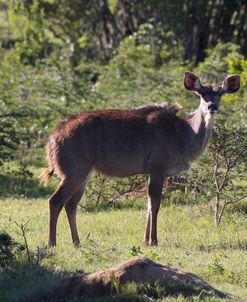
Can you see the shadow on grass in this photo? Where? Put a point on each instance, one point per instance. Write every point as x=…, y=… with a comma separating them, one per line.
x=27, y=282
x=19, y=186
x=32, y=282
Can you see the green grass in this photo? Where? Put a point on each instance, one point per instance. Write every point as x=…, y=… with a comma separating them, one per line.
x=188, y=239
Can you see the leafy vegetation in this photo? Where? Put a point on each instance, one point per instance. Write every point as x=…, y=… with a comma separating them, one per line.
x=61, y=57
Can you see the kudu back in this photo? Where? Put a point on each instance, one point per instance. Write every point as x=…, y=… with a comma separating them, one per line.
x=151, y=140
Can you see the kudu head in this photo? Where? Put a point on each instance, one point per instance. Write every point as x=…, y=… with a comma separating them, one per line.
x=210, y=94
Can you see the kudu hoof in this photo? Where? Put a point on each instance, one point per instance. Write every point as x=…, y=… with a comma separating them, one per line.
x=51, y=244
x=150, y=242
x=76, y=244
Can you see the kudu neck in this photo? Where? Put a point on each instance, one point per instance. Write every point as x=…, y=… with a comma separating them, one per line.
x=201, y=119
x=201, y=124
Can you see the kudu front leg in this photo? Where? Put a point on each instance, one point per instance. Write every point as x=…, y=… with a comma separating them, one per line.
x=155, y=185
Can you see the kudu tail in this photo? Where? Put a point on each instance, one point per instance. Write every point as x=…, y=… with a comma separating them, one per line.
x=46, y=175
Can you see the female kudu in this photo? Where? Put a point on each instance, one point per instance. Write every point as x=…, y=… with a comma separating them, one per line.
x=151, y=140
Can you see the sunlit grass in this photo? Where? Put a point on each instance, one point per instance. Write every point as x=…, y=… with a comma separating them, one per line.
x=188, y=239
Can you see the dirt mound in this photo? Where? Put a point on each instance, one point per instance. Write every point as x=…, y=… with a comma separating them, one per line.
x=141, y=271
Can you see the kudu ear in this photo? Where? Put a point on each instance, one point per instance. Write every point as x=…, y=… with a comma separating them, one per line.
x=231, y=84
x=192, y=81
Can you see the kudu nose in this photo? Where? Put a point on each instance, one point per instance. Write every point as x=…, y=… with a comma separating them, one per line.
x=212, y=108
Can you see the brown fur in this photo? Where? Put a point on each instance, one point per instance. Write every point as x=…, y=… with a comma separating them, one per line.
x=126, y=126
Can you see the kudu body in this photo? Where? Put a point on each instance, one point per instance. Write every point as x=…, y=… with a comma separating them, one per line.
x=151, y=140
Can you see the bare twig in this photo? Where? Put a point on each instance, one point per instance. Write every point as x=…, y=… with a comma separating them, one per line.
x=227, y=203
x=23, y=231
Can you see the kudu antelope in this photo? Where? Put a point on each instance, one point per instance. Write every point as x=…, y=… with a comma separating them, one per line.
x=151, y=140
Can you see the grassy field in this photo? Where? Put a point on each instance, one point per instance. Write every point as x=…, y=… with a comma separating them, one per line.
x=188, y=239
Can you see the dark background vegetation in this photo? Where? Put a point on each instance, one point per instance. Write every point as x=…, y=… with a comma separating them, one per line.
x=58, y=57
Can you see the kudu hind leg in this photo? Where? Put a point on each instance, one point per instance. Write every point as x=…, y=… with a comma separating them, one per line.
x=70, y=208
x=57, y=201
x=155, y=186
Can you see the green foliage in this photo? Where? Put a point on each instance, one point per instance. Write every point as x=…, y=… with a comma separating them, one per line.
x=28, y=26
x=8, y=139
x=33, y=101
x=161, y=42
x=216, y=266
x=135, y=251
x=221, y=174
x=219, y=60
x=133, y=79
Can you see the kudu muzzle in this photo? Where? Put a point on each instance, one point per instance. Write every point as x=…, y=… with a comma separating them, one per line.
x=212, y=108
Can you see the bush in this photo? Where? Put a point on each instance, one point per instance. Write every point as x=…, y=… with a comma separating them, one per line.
x=9, y=250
